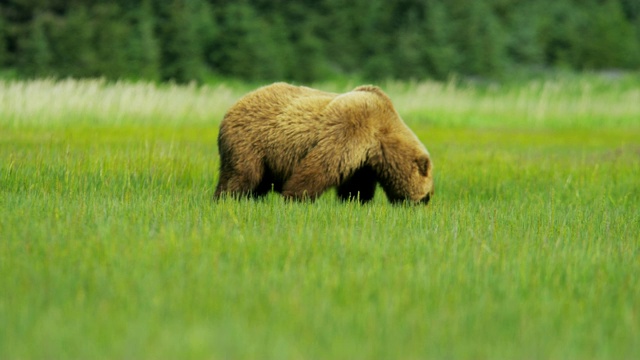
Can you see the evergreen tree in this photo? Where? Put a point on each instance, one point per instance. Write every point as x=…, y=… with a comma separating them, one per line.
x=4, y=52
x=111, y=33
x=72, y=44
x=281, y=51
x=561, y=31
x=441, y=57
x=142, y=46
x=351, y=34
x=410, y=46
x=309, y=63
x=608, y=41
x=479, y=37
x=248, y=49
x=35, y=58
x=631, y=10
x=523, y=45
x=309, y=40
x=182, y=50
x=376, y=32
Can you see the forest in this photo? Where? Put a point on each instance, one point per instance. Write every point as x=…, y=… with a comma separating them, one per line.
x=305, y=41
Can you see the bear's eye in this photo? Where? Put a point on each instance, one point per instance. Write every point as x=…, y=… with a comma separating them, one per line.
x=423, y=165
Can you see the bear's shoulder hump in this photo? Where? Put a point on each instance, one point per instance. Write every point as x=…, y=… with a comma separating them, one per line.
x=377, y=91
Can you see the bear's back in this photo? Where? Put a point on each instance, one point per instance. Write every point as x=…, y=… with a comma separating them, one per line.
x=280, y=110
x=278, y=122
x=268, y=102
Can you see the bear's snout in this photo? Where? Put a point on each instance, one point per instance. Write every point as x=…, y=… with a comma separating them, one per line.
x=426, y=198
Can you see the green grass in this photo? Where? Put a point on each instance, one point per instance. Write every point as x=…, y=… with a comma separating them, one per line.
x=110, y=245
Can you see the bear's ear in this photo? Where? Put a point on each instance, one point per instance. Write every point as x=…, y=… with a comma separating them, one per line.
x=423, y=165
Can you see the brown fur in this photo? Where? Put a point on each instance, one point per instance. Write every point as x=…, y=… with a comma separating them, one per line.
x=300, y=141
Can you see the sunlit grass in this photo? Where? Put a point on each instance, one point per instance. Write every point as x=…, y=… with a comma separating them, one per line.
x=96, y=102
x=589, y=102
x=110, y=244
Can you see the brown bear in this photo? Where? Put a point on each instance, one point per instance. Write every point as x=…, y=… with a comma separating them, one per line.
x=300, y=142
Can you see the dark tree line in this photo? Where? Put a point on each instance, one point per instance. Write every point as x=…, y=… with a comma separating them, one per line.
x=306, y=40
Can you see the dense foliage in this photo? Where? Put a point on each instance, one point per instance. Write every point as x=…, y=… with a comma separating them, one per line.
x=308, y=40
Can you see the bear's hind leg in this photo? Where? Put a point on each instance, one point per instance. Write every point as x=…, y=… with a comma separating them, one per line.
x=241, y=180
x=360, y=186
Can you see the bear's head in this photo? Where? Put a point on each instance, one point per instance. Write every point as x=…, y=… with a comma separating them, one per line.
x=404, y=168
x=401, y=162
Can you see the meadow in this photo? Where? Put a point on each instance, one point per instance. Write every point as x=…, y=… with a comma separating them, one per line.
x=111, y=246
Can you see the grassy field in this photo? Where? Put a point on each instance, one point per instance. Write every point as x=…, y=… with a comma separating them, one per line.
x=110, y=245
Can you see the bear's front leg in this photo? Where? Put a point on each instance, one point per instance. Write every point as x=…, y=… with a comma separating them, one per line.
x=305, y=186
x=360, y=186
x=311, y=177
x=324, y=166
